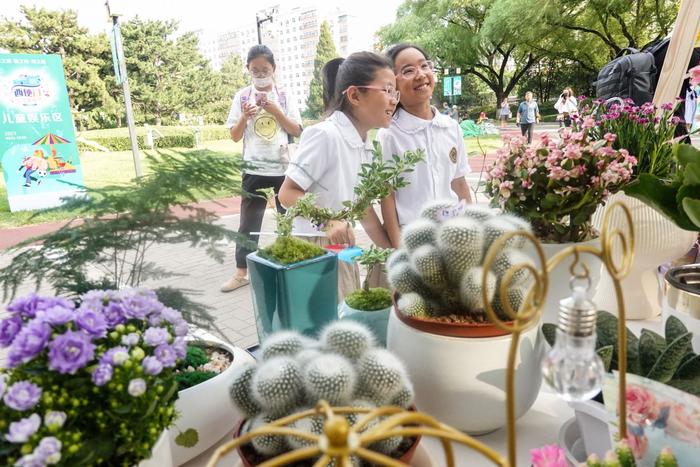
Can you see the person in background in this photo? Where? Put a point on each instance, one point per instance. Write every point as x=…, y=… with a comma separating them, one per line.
x=454, y=114
x=504, y=113
x=445, y=108
x=330, y=154
x=528, y=114
x=264, y=118
x=419, y=126
x=566, y=106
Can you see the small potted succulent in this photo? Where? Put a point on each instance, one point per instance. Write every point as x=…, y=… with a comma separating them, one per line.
x=437, y=276
x=370, y=306
x=89, y=385
x=294, y=282
x=554, y=456
x=343, y=368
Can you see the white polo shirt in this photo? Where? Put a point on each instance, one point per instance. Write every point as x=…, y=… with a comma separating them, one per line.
x=445, y=159
x=327, y=163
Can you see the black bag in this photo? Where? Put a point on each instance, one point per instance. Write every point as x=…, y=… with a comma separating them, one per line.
x=630, y=74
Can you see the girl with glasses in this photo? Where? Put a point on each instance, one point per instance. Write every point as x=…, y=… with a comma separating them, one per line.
x=265, y=119
x=418, y=125
x=359, y=94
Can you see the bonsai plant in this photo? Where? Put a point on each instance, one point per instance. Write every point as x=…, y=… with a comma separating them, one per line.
x=370, y=306
x=113, y=358
x=294, y=282
x=343, y=368
x=437, y=276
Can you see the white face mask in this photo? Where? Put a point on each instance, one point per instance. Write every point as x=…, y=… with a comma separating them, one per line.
x=261, y=83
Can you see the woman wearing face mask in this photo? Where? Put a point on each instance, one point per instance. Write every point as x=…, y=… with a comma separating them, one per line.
x=418, y=125
x=360, y=93
x=264, y=118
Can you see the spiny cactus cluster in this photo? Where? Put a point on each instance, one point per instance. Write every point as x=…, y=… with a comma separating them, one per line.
x=344, y=367
x=623, y=457
x=438, y=270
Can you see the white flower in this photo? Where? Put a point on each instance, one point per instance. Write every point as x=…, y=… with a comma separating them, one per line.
x=54, y=420
x=137, y=387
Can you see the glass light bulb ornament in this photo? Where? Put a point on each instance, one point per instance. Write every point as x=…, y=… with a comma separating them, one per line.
x=573, y=368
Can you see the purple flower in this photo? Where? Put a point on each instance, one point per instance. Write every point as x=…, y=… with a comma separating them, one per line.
x=22, y=430
x=30, y=341
x=54, y=419
x=25, y=306
x=92, y=322
x=30, y=460
x=115, y=356
x=154, y=319
x=102, y=374
x=137, y=387
x=156, y=336
x=49, y=450
x=9, y=328
x=166, y=354
x=180, y=347
x=97, y=299
x=152, y=366
x=675, y=120
x=70, y=351
x=114, y=313
x=181, y=328
x=23, y=395
x=170, y=315
x=130, y=339
x=56, y=315
x=667, y=106
x=137, y=307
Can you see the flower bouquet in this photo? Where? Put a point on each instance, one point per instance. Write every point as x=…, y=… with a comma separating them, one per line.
x=558, y=186
x=91, y=384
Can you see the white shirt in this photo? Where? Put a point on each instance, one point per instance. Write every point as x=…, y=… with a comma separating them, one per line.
x=568, y=106
x=445, y=159
x=327, y=163
x=264, y=139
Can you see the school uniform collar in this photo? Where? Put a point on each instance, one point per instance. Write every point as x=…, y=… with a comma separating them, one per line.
x=409, y=123
x=349, y=132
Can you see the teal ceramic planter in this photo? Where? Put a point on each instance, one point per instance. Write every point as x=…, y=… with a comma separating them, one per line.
x=377, y=320
x=301, y=296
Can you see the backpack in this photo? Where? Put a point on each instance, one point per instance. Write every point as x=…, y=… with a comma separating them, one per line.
x=630, y=74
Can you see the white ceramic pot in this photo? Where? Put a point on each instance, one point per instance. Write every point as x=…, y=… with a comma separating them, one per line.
x=375, y=320
x=559, y=278
x=207, y=406
x=592, y=424
x=682, y=298
x=160, y=454
x=657, y=240
x=460, y=380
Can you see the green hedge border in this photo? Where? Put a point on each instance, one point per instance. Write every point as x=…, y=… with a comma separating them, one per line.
x=117, y=139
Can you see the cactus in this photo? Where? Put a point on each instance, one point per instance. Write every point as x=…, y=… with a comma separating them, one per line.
x=348, y=338
x=419, y=232
x=460, y=240
x=313, y=424
x=508, y=258
x=403, y=278
x=498, y=226
x=306, y=356
x=277, y=385
x=330, y=377
x=287, y=343
x=381, y=376
x=398, y=256
x=405, y=397
x=413, y=304
x=471, y=288
x=516, y=297
x=427, y=262
x=432, y=209
x=268, y=445
x=666, y=459
x=623, y=457
x=241, y=391
x=478, y=213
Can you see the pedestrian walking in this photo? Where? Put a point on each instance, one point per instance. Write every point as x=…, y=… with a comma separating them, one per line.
x=528, y=115
x=504, y=114
x=566, y=106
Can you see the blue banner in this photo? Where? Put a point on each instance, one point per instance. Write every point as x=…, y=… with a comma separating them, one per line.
x=38, y=151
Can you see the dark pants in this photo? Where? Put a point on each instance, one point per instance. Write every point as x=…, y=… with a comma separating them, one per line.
x=527, y=128
x=253, y=207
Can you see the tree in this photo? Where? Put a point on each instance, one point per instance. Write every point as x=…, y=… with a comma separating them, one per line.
x=85, y=57
x=454, y=33
x=325, y=51
x=229, y=80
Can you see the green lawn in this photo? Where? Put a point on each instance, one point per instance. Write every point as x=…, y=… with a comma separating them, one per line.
x=102, y=169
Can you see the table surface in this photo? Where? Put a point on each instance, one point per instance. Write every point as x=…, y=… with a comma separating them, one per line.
x=539, y=426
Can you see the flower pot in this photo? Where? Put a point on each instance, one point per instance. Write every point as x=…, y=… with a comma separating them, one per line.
x=657, y=240
x=682, y=298
x=592, y=427
x=244, y=452
x=300, y=296
x=160, y=454
x=461, y=380
x=559, y=278
x=207, y=406
x=375, y=320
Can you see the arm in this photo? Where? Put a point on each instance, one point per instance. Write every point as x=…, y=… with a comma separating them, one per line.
x=461, y=188
x=517, y=115
x=391, y=220
x=237, y=130
x=374, y=228
x=288, y=124
x=290, y=192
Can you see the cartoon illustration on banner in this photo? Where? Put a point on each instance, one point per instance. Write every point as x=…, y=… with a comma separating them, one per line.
x=38, y=153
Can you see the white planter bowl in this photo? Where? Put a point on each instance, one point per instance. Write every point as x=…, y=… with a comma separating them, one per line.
x=657, y=240
x=461, y=381
x=592, y=421
x=160, y=454
x=207, y=407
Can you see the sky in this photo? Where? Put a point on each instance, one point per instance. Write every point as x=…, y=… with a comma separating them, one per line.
x=209, y=15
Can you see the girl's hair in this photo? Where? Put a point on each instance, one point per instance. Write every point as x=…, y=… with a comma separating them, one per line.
x=359, y=69
x=260, y=51
x=394, y=50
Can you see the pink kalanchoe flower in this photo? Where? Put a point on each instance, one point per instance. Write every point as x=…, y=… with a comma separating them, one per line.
x=588, y=123
x=668, y=105
x=550, y=455
x=694, y=75
x=610, y=137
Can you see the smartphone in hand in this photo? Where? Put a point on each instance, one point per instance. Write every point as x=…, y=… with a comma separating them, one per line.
x=260, y=99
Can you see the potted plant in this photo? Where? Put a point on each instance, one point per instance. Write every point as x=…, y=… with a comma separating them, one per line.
x=89, y=385
x=370, y=306
x=439, y=327
x=623, y=456
x=668, y=359
x=558, y=186
x=647, y=132
x=294, y=283
x=343, y=368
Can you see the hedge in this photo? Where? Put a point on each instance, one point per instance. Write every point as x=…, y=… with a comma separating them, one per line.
x=117, y=139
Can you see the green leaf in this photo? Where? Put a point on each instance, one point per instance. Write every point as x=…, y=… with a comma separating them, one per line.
x=668, y=362
x=606, y=354
x=651, y=346
x=691, y=207
x=606, y=329
x=188, y=438
x=674, y=328
x=691, y=386
x=689, y=369
x=686, y=154
x=661, y=196
x=123, y=409
x=691, y=174
x=549, y=331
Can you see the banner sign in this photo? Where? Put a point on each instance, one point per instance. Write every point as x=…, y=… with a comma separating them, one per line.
x=38, y=152
x=457, y=86
x=447, y=86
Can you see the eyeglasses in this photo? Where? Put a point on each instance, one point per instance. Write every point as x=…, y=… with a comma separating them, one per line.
x=410, y=71
x=261, y=73
x=389, y=90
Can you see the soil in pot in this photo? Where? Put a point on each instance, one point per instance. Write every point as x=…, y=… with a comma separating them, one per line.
x=202, y=363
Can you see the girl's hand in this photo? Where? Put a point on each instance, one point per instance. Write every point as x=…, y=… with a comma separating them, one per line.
x=272, y=108
x=250, y=110
x=340, y=232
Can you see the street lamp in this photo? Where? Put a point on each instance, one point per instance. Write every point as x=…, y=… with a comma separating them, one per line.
x=267, y=17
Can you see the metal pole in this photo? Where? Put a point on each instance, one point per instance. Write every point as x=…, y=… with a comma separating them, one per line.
x=127, y=97
x=257, y=22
